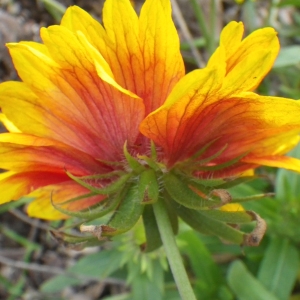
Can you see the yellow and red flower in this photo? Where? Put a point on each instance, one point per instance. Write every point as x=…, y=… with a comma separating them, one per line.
x=88, y=89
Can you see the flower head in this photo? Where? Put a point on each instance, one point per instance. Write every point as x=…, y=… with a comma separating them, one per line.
x=89, y=89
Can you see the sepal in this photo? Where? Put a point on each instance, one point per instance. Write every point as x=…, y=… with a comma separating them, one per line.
x=111, y=188
x=251, y=198
x=148, y=189
x=97, y=211
x=124, y=217
x=224, y=224
x=221, y=166
x=75, y=242
x=181, y=192
x=133, y=163
x=223, y=183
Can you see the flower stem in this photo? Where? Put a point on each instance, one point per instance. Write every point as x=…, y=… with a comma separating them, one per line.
x=172, y=251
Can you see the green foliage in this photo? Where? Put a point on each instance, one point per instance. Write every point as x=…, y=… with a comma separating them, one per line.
x=244, y=285
x=55, y=8
x=279, y=268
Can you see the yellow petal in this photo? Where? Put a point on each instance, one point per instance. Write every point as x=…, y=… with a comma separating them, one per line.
x=103, y=69
x=8, y=124
x=285, y=162
x=247, y=61
x=232, y=207
x=248, y=73
x=143, y=53
x=261, y=39
x=230, y=40
x=163, y=64
x=231, y=37
x=65, y=97
x=16, y=100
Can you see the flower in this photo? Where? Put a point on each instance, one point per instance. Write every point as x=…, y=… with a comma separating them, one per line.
x=216, y=105
x=89, y=89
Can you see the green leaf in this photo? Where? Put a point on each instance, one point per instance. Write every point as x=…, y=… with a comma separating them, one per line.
x=289, y=2
x=55, y=8
x=124, y=296
x=288, y=56
x=207, y=272
x=279, y=268
x=97, y=265
x=14, y=204
x=94, y=266
x=172, y=295
x=153, y=240
x=143, y=287
x=288, y=183
x=25, y=242
x=245, y=286
x=58, y=283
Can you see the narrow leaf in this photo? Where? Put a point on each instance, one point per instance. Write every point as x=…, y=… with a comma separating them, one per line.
x=279, y=268
x=245, y=286
x=97, y=211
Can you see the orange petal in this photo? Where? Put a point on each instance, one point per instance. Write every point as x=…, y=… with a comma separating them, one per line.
x=248, y=124
x=143, y=53
x=21, y=152
x=16, y=185
x=42, y=207
x=173, y=126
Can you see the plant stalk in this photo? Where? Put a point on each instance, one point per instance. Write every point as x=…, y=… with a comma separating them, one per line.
x=167, y=236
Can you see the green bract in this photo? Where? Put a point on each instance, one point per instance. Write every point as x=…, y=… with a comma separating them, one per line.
x=143, y=181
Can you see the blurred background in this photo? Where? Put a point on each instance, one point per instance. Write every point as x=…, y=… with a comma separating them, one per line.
x=34, y=265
